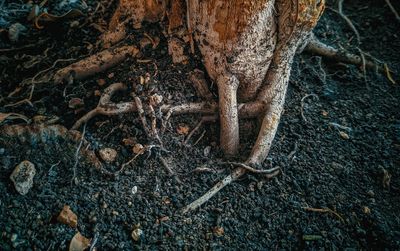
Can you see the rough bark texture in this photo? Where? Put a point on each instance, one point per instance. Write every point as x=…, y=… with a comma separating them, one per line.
x=247, y=48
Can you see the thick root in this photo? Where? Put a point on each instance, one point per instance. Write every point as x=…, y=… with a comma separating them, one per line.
x=97, y=63
x=108, y=108
x=228, y=113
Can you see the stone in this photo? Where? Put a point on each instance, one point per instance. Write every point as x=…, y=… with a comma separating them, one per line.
x=22, y=176
x=136, y=234
x=68, y=217
x=108, y=154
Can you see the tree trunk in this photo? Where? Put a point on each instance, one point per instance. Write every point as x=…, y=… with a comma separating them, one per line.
x=247, y=48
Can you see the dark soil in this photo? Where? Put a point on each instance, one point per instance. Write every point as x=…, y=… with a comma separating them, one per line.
x=320, y=169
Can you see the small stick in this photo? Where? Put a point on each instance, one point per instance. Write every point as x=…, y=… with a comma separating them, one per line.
x=77, y=155
x=302, y=105
x=197, y=127
x=201, y=136
x=237, y=173
x=142, y=117
x=323, y=210
x=348, y=21
x=253, y=170
x=396, y=14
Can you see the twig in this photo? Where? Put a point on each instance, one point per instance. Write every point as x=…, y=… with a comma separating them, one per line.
x=323, y=210
x=336, y=125
x=302, y=105
x=197, y=127
x=348, y=21
x=142, y=117
x=396, y=14
x=169, y=169
x=251, y=169
x=201, y=136
x=77, y=156
x=237, y=173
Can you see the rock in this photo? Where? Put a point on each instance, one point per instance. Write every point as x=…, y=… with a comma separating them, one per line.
x=68, y=217
x=22, y=177
x=218, y=231
x=138, y=149
x=136, y=234
x=207, y=151
x=155, y=99
x=101, y=82
x=15, y=31
x=79, y=243
x=344, y=135
x=182, y=129
x=108, y=154
x=366, y=210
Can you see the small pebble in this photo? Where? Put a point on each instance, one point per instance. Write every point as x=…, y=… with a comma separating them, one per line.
x=22, y=176
x=108, y=154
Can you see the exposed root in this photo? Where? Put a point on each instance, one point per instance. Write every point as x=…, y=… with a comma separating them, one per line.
x=348, y=21
x=78, y=149
x=396, y=14
x=97, y=63
x=237, y=173
x=315, y=46
x=253, y=170
x=108, y=108
x=324, y=210
x=197, y=127
x=302, y=105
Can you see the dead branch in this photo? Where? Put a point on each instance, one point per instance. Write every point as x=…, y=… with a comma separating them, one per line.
x=97, y=63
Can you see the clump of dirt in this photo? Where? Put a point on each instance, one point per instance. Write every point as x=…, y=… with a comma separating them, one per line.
x=339, y=149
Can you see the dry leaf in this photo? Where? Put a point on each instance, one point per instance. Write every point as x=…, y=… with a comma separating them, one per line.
x=68, y=217
x=182, y=129
x=79, y=243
